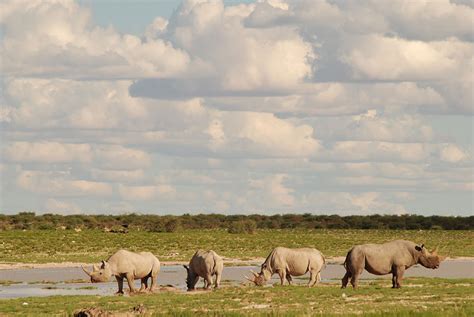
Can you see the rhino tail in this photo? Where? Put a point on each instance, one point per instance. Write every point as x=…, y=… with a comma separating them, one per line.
x=347, y=259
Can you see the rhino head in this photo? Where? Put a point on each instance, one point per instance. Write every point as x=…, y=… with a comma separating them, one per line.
x=261, y=278
x=428, y=259
x=191, y=278
x=100, y=273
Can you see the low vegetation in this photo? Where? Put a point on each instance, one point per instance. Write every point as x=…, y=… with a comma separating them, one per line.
x=42, y=246
x=155, y=223
x=419, y=297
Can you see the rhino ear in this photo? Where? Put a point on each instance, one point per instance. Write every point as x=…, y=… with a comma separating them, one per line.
x=103, y=264
x=418, y=248
x=186, y=267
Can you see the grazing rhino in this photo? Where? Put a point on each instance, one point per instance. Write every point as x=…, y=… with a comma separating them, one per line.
x=125, y=264
x=204, y=264
x=391, y=257
x=291, y=262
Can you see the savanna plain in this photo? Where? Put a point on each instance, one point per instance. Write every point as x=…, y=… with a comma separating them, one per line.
x=418, y=297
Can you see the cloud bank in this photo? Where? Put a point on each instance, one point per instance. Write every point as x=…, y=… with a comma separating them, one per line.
x=272, y=106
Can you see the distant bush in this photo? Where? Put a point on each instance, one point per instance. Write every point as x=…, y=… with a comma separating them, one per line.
x=243, y=226
x=116, y=229
x=46, y=226
x=233, y=223
x=173, y=225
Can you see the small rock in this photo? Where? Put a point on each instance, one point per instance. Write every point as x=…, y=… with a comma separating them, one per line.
x=91, y=312
x=139, y=309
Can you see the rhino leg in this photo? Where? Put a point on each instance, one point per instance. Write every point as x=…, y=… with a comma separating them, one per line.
x=153, y=282
x=398, y=276
x=194, y=282
x=312, y=278
x=288, y=278
x=130, y=280
x=218, y=280
x=355, y=264
x=282, y=274
x=355, y=272
x=355, y=279
x=144, y=284
x=345, y=279
x=208, y=281
x=120, y=284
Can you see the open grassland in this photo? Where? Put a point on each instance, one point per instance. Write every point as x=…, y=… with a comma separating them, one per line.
x=42, y=246
x=418, y=297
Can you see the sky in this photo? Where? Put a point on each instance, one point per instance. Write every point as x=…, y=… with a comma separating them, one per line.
x=237, y=107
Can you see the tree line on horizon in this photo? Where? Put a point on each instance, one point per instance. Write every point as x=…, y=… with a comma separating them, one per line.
x=232, y=223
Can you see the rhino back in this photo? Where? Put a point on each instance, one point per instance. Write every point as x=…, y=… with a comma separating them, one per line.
x=204, y=262
x=139, y=264
x=380, y=258
x=297, y=261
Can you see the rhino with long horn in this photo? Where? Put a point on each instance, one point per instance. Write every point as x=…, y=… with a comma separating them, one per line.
x=290, y=262
x=129, y=265
x=392, y=257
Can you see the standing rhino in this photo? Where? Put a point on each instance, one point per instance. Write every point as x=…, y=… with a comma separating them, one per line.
x=132, y=266
x=291, y=262
x=204, y=264
x=391, y=257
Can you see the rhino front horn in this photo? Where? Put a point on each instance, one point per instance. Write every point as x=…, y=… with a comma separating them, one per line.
x=254, y=273
x=248, y=278
x=84, y=269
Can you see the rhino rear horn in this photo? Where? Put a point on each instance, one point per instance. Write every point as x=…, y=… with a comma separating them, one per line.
x=84, y=269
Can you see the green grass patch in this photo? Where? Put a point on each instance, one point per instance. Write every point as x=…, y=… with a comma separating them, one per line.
x=40, y=246
x=42, y=282
x=418, y=297
x=8, y=282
